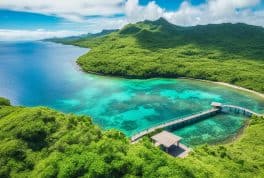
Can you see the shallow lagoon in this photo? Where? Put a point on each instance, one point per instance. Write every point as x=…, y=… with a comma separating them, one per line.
x=38, y=73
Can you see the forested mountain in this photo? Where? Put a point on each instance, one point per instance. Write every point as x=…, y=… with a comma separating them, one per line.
x=233, y=39
x=232, y=53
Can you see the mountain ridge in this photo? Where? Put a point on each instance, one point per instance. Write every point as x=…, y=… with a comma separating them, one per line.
x=161, y=22
x=201, y=34
x=230, y=53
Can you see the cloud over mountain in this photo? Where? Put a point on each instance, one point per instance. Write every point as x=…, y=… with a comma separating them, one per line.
x=96, y=15
x=213, y=11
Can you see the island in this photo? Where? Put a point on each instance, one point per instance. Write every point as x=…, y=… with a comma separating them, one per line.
x=230, y=53
x=41, y=142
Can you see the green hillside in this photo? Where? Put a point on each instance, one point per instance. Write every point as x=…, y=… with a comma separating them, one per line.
x=232, y=53
x=40, y=142
x=4, y=102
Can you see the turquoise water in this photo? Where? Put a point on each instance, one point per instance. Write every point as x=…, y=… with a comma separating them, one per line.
x=216, y=129
x=38, y=73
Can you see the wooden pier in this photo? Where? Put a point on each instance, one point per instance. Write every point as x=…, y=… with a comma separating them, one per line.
x=217, y=108
x=238, y=110
x=178, y=122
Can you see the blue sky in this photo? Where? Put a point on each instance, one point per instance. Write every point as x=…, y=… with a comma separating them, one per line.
x=22, y=18
x=171, y=5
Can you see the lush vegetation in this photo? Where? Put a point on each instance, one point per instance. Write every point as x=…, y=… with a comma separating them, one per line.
x=232, y=53
x=4, y=102
x=39, y=142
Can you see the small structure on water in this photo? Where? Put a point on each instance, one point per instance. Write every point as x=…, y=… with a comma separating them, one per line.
x=171, y=144
x=216, y=105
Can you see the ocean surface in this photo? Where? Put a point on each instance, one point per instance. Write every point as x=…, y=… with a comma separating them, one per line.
x=45, y=74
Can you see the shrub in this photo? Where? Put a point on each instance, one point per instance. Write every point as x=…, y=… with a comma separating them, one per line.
x=4, y=102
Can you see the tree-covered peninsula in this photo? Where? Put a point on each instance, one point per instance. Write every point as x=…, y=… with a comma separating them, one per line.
x=232, y=53
x=40, y=142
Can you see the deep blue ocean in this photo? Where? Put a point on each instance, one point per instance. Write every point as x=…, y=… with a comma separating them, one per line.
x=45, y=74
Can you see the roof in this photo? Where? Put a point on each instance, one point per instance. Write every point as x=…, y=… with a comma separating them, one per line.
x=166, y=139
x=216, y=104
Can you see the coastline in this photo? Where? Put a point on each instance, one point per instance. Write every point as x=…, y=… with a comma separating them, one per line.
x=241, y=88
x=236, y=137
x=228, y=85
x=116, y=76
x=209, y=81
x=226, y=141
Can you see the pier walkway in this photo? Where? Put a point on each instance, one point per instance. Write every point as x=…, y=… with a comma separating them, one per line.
x=177, y=122
x=217, y=108
x=239, y=110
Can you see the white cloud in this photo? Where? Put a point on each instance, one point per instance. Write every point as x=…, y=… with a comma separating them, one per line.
x=94, y=25
x=70, y=9
x=135, y=12
x=25, y=35
x=212, y=11
x=91, y=25
x=228, y=7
